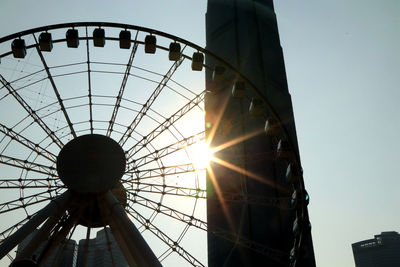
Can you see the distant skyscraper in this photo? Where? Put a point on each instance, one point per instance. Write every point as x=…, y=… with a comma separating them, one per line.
x=99, y=253
x=63, y=256
x=381, y=251
x=103, y=255
x=86, y=253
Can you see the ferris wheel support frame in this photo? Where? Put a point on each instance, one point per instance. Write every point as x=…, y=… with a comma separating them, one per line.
x=55, y=205
x=133, y=246
x=42, y=234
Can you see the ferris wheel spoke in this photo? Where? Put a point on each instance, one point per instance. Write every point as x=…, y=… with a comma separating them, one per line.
x=28, y=165
x=150, y=101
x=123, y=85
x=165, y=125
x=32, y=113
x=168, y=211
x=163, y=171
x=163, y=237
x=28, y=143
x=29, y=183
x=167, y=150
x=89, y=83
x=164, y=189
x=23, y=202
x=56, y=92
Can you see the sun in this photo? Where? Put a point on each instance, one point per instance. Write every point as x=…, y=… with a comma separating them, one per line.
x=200, y=155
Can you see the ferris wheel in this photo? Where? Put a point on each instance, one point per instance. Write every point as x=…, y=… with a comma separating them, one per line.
x=103, y=124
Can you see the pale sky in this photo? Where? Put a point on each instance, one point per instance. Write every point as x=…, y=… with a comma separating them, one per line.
x=342, y=61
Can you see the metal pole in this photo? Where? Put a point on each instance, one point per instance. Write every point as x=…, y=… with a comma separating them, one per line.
x=34, y=222
x=122, y=244
x=119, y=222
x=56, y=241
x=42, y=234
x=116, y=233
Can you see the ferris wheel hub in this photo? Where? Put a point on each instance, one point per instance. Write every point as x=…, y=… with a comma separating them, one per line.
x=91, y=164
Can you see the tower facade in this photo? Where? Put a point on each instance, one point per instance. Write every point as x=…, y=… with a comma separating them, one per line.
x=101, y=251
x=244, y=33
x=382, y=250
x=103, y=254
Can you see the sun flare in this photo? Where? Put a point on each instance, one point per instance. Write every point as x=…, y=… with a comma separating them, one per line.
x=201, y=155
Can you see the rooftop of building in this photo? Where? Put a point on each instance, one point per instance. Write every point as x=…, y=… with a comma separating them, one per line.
x=378, y=240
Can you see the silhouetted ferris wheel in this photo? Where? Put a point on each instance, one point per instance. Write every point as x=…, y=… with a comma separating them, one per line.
x=101, y=118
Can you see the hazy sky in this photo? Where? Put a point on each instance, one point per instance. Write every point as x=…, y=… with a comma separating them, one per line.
x=342, y=60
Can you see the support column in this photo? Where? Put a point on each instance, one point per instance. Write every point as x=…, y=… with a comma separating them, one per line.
x=42, y=234
x=56, y=204
x=57, y=238
x=131, y=242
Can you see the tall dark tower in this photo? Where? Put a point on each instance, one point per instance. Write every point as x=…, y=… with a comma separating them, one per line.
x=244, y=33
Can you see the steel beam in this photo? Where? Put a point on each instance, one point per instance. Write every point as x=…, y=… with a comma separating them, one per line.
x=122, y=88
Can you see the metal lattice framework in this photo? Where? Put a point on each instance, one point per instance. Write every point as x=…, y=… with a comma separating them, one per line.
x=151, y=105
